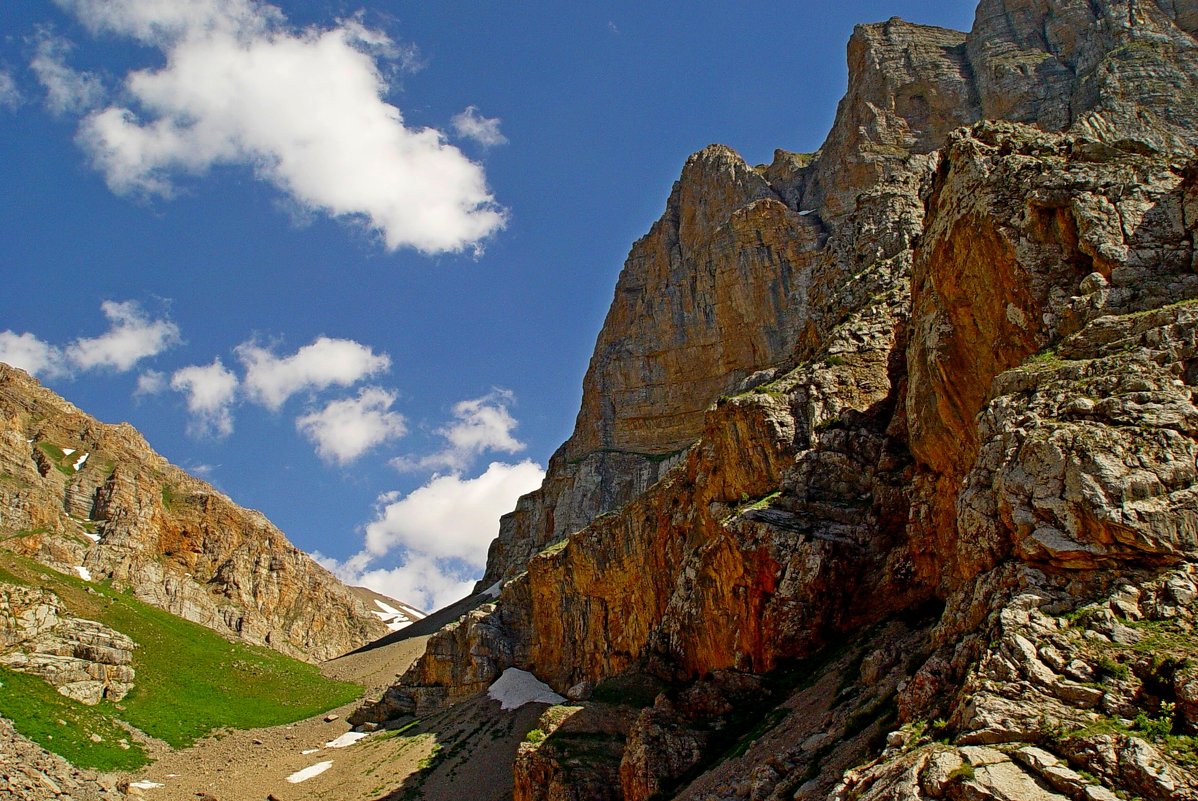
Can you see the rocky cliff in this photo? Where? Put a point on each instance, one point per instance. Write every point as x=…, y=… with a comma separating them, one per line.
x=884, y=479
x=95, y=500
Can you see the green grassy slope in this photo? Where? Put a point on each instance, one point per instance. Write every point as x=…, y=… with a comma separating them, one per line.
x=189, y=680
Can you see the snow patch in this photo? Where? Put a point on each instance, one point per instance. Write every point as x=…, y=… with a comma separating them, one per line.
x=80, y=461
x=308, y=773
x=515, y=688
x=309, y=751
x=394, y=619
x=67, y=451
x=493, y=590
x=347, y=739
x=84, y=573
x=145, y=784
x=92, y=537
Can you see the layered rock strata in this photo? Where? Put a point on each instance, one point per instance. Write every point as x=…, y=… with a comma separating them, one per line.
x=982, y=424
x=82, y=659
x=94, y=499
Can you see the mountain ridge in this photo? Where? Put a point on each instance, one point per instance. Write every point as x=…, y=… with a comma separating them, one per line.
x=978, y=417
x=94, y=499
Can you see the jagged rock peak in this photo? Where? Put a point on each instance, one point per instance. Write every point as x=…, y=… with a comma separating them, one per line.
x=94, y=499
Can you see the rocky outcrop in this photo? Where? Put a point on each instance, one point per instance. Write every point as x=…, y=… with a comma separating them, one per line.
x=982, y=424
x=82, y=659
x=94, y=499
x=30, y=773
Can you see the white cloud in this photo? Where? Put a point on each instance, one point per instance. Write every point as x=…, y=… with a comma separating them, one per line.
x=345, y=429
x=441, y=532
x=30, y=354
x=452, y=517
x=131, y=337
x=484, y=130
x=210, y=390
x=10, y=95
x=151, y=382
x=271, y=380
x=67, y=89
x=304, y=108
x=482, y=424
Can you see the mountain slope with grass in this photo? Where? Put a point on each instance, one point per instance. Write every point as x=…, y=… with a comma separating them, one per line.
x=95, y=500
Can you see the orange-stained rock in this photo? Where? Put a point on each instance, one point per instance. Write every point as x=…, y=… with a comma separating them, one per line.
x=128, y=515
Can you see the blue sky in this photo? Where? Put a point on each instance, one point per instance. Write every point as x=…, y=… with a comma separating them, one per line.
x=347, y=261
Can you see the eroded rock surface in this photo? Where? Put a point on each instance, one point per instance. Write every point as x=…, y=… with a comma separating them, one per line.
x=954, y=433
x=93, y=499
x=82, y=659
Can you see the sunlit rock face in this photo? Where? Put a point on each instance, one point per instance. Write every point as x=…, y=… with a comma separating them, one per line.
x=926, y=395
x=77, y=493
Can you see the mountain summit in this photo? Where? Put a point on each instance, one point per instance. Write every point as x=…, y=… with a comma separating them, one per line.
x=883, y=484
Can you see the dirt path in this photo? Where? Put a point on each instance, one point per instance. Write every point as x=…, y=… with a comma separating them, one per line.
x=254, y=764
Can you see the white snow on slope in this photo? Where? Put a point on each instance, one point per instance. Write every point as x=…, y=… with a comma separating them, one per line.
x=309, y=772
x=67, y=451
x=391, y=616
x=146, y=785
x=347, y=739
x=92, y=537
x=79, y=462
x=84, y=573
x=515, y=688
x=494, y=589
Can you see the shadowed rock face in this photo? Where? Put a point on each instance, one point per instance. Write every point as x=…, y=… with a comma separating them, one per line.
x=746, y=269
x=979, y=422
x=124, y=513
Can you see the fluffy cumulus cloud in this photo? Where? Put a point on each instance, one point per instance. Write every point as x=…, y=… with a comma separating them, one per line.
x=440, y=531
x=10, y=95
x=305, y=109
x=30, y=354
x=67, y=89
x=210, y=390
x=472, y=125
x=480, y=425
x=345, y=429
x=270, y=380
x=132, y=336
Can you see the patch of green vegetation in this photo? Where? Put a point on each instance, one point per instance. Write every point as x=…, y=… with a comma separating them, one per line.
x=63, y=463
x=172, y=498
x=387, y=735
x=1157, y=728
x=963, y=772
x=28, y=532
x=1045, y=358
x=1109, y=668
x=535, y=736
x=835, y=360
x=66, y=727
x=750, y=504
x=556, y=547
x=189, y=680
x=1162, y=637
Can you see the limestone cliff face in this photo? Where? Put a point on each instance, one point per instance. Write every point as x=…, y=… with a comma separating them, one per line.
x=971, y=463
x=79, y=494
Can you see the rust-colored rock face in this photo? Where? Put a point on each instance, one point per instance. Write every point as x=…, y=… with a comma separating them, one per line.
x=124, y=513
x=970, y=460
